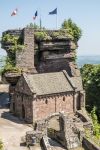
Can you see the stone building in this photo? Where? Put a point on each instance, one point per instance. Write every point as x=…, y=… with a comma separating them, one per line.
x=39, y=95
x=50, y=80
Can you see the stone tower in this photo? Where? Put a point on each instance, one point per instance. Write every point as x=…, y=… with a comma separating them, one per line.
x=25, y=58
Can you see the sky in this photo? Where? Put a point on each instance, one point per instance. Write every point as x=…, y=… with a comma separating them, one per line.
x=85, y=13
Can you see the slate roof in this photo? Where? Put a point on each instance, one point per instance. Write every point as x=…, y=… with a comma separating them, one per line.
x=48, y=83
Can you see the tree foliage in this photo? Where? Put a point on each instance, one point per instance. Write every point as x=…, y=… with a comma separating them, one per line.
x=1, y=145
x=91, y=82
x=72, y=28
x=96, y=125
x=35, y=26
x=15, y=44
x=31, y=25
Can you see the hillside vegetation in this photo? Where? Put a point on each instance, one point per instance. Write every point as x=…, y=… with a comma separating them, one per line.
x=91, y=82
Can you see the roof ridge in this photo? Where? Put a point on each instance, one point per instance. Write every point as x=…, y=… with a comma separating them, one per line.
x=69, y=79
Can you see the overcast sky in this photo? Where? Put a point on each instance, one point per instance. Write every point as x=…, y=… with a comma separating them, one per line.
x=85, y=13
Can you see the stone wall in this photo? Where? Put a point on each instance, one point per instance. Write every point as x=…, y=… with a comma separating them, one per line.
x=43, y=107
x=65, y=131
x=33, y=137
x=21, y=100
x=46, y=144
x=24, y=107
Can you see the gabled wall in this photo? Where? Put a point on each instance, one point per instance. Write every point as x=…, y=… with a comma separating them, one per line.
x=21, y=103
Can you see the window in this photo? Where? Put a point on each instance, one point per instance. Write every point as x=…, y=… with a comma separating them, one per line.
x=64, y=98
x=46, y=101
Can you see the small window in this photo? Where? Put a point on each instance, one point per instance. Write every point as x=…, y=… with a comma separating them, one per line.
x=64, y=98
x=22, y=98
x=46, y=101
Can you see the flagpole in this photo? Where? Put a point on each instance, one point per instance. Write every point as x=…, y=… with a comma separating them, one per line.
x=40, y=23
x=56, y=21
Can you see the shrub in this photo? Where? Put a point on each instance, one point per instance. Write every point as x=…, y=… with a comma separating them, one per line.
x=72, y=29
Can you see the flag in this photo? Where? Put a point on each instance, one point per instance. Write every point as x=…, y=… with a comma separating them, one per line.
x=36, y=14
x=54, y=12
x=14, y=12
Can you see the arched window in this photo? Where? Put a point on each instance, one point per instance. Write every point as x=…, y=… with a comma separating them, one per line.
x=63, y=98
x=46, y=101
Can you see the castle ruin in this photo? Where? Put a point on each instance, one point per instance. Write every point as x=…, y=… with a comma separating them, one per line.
x=49, y=83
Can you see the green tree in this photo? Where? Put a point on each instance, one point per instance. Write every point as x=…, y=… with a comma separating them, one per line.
x=94, y=116
x=96, y=125
x=72, y=28
x=91, y=82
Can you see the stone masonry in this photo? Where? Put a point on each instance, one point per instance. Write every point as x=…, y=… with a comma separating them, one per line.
x=52, y=82
x=49, y=92
x=25, y=58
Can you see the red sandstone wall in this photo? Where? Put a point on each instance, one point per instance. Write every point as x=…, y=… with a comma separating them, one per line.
x=44, y=107
x=64, y=103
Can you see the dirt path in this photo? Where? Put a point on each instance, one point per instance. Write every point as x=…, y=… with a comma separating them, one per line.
x=11, y=130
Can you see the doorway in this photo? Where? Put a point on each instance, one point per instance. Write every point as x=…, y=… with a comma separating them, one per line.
x=78, y=102
x=23, y=111
x=13, y=107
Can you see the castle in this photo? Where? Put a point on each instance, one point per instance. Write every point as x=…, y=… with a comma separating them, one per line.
x=46, y=87
x=50, y=81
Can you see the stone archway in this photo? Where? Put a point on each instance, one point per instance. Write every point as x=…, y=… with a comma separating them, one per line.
x=61, y=128
x=52, y=125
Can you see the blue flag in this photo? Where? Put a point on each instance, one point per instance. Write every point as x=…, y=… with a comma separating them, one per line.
x=36, y=14
x=54, y=12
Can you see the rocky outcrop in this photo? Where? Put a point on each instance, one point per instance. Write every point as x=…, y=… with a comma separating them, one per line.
x=44, y=54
